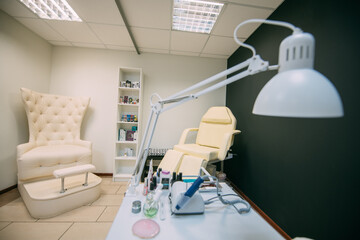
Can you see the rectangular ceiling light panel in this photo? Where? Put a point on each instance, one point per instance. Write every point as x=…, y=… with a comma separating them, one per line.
x=52, y=9
x=195, y=15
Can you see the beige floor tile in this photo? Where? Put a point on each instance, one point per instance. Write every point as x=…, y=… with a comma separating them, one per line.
x=3, y=224
x=88, y=231
x=82, y=214
x=109, y=181
x=109, y=189
x=109, y=214
x=111, y=200
x=106, y=179
x=15, y=213
x=38, y=231
x=122, y=190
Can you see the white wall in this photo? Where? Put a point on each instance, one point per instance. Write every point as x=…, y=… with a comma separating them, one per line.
x=25, y=61
x=95, y=73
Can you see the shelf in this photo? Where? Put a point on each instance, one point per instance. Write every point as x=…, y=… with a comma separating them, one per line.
x=126, y=104
x=123, y=158
x=122, y=176
x=129, y=89
x=128, y=107
x=127, y=122
x=127, y=142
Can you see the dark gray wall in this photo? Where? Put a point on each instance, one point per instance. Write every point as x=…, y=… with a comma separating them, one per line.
x=303, y=173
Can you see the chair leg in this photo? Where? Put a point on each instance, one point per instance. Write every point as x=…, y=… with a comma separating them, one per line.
x=62, y=185
x=86, y=179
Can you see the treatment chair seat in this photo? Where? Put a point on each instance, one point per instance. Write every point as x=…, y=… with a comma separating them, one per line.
x=204, y=152
x=48, y=158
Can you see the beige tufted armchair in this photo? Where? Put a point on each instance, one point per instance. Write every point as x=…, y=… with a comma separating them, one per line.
x=54, y=145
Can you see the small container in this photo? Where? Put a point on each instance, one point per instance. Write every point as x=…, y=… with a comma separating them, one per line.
x=162, y=210
x=136, y=206
x=165, y=179
x=151, y=206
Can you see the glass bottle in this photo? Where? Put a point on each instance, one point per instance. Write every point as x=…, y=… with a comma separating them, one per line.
x=151, y=206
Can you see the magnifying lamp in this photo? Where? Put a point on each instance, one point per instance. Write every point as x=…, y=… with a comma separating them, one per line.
x=297, y=90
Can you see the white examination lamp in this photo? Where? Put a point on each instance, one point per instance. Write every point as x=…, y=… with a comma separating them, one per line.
x=296, y=91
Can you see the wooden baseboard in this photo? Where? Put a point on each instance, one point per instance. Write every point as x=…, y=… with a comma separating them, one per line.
x=8, y=189
x=104, y=174
x=258, y=210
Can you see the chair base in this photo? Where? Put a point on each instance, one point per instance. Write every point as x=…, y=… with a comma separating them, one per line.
x=44, y=200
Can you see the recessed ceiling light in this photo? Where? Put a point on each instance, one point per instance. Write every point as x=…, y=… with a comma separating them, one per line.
x=195, y=15
x=52, y=9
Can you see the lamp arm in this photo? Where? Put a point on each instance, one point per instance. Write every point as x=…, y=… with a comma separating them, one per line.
x=212, y=78
x=270, y=22
x=254, y=64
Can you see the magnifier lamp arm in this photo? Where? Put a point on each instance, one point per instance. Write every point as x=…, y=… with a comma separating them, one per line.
x=211, y=79
x=254, y=64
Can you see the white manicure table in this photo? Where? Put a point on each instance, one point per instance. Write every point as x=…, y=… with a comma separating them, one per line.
x=217, y=222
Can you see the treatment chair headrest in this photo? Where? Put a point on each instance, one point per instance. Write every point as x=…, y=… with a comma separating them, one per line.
x=217, y=115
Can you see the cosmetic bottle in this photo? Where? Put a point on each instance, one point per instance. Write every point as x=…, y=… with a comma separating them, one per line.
x=158, y=174
x=165, y=179
x=173, y=178
x=145, y=190
x=154, y=180
x=151, y=206
x=179, y=177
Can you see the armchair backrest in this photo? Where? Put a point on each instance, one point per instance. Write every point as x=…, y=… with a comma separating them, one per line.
x=53, y=119
x=214, y=125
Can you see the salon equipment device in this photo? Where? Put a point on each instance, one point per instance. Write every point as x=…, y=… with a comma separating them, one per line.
x=186, y=201
x=185, y=197
x=296, y=91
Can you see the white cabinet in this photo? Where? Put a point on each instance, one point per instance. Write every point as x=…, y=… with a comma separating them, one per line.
x=129, y=101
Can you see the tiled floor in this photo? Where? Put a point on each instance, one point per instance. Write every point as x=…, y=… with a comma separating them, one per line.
x=89, y=222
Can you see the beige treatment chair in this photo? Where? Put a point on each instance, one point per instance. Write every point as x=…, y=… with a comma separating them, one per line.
x=54, y=170
x=214, y=138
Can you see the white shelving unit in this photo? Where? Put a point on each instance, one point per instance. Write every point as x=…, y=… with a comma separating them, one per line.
x=129, y=101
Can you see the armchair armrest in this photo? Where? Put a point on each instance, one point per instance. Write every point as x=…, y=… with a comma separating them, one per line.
x=23, y=148
x=70, y=171
x=185, y=134
x=227, y=142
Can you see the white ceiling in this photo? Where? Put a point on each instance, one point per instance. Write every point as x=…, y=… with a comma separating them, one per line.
x=150, y=22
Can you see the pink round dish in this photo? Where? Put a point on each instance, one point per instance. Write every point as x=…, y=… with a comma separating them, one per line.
x=146, y=228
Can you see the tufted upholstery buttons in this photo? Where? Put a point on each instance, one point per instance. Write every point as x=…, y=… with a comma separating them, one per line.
x=54, y=116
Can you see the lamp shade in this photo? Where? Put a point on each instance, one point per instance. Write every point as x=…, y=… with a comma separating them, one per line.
x=298, y=90
x=299, y=93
